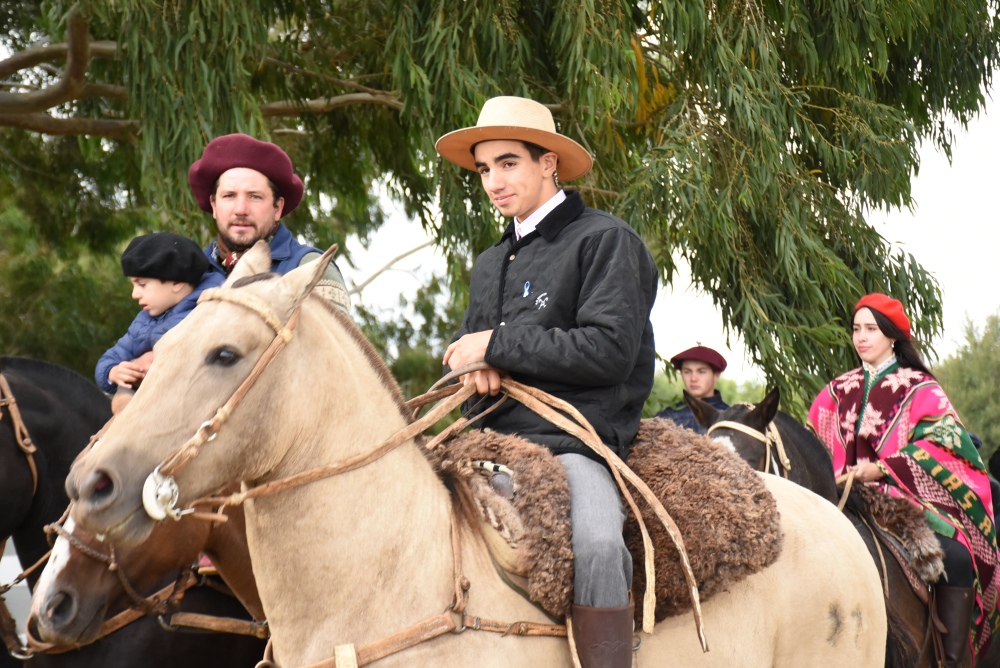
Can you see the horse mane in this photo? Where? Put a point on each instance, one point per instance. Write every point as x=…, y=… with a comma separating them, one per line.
x=368, y=350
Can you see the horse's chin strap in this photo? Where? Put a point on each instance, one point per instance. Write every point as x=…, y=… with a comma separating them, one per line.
x=771, y=438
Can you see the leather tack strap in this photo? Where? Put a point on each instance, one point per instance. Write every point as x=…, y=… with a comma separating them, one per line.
x=20, y=431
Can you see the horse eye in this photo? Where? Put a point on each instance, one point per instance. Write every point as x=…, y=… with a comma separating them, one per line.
x=223, y=357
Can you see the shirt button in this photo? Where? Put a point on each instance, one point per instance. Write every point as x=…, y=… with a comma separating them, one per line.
x=502, y=324
x=512, y=258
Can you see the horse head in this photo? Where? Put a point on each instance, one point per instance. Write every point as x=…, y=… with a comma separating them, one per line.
x=79, y=588
x=741, y=427
x=212, y=404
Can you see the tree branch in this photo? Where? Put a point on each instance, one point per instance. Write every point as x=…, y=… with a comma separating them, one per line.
x=346, y=83
x=388, y=265
x=69, y=126
x=323, y=105
x=47, y=53
x=72, y=81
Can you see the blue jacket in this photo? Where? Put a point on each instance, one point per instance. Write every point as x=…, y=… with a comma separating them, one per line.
x=286, y=252
x=682, y=415
x=146, y=330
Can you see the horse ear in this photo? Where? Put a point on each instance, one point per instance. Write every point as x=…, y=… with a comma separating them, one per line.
x=704, y=413
x=767, y=409
x=300, y=281
x=257, y=260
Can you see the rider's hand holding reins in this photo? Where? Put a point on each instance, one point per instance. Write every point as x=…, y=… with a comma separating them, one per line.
x=472, y=348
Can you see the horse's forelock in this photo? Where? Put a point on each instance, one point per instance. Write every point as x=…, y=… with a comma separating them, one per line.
x=256, y=278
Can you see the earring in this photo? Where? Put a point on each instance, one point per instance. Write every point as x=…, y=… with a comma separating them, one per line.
x=555, y=178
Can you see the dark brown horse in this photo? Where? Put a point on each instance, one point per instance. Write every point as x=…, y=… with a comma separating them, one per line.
x=61, y=410
x=749, y=431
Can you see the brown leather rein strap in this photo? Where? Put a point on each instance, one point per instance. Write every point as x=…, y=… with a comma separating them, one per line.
x=20, y=431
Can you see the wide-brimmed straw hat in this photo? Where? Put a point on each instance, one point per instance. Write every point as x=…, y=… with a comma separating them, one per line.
x=518, y=119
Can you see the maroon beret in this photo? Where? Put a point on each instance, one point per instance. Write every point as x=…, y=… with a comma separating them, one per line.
x=239, y=150
x=887, y=306
x=700, y=354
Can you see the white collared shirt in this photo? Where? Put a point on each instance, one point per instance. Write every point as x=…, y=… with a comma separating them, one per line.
x=531, y=222
x=874, y=371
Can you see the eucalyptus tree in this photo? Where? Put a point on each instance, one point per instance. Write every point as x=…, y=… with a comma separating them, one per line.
x=746, y=138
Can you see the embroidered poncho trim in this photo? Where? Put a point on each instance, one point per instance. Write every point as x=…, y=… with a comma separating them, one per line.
x=902, y=419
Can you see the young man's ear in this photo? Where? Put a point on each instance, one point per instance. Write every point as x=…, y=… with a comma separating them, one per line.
x=549, y=162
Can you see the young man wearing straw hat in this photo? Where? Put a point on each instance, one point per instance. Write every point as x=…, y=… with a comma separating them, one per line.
x=561, y=303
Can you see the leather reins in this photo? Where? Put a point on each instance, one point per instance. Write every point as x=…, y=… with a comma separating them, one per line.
x=161, y=493
x=8, y=628
x=20, y=431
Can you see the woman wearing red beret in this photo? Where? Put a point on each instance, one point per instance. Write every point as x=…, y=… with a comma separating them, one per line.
x=891, y=423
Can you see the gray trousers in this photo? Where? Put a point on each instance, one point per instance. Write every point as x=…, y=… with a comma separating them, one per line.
x=602, y=563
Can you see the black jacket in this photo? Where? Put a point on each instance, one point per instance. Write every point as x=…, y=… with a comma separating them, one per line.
x=569, y=308
x=682, y=415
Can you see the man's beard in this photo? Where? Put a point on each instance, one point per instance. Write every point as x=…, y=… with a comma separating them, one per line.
x=231, y=245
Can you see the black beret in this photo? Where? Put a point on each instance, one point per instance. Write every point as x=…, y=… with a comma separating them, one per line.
x=166, y=256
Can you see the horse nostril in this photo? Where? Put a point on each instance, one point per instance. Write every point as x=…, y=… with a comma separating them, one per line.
x=60, y=608
x=99, y=487
x=103, y=485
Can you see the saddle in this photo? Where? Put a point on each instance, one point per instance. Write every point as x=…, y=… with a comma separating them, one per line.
x=727, y=517
x=902, y=529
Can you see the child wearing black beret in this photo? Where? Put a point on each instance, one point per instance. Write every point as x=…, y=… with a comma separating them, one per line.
x=168, y=272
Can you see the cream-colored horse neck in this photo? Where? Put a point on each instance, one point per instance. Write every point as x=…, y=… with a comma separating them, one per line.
x=361, y=555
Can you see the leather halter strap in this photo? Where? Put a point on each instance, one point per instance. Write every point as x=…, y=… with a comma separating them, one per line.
x=20, y=431
x=771, y=438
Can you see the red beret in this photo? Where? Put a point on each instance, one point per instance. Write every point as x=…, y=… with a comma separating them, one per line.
x=239, y=150
x=700, y=354
x=887, y=306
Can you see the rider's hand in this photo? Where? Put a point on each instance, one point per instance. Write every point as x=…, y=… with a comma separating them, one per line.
x=472, y=348
x=868, y=472
x=469, y=348
x=126, y=374
x=487, y=381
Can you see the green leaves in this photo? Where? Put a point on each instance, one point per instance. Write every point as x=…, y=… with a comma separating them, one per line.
x=747, y=139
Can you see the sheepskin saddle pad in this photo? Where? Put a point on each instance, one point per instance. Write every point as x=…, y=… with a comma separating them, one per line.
x=728, y=519
x=903, y=529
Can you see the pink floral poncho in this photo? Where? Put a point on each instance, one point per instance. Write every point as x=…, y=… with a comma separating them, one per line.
x=902, y=420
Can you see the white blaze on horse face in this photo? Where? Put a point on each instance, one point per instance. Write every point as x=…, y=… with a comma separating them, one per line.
x=726, y=441
x=61, y=551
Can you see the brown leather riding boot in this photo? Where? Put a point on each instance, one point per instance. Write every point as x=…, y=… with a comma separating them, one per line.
x=955, y=606
x=603, y=636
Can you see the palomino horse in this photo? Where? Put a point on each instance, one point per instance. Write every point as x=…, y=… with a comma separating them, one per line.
x=750, y=431
x=382, y=554
x=60, y=410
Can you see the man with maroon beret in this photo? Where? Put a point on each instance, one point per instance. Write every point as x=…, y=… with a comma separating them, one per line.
x=248, y=185
x=700, y=368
